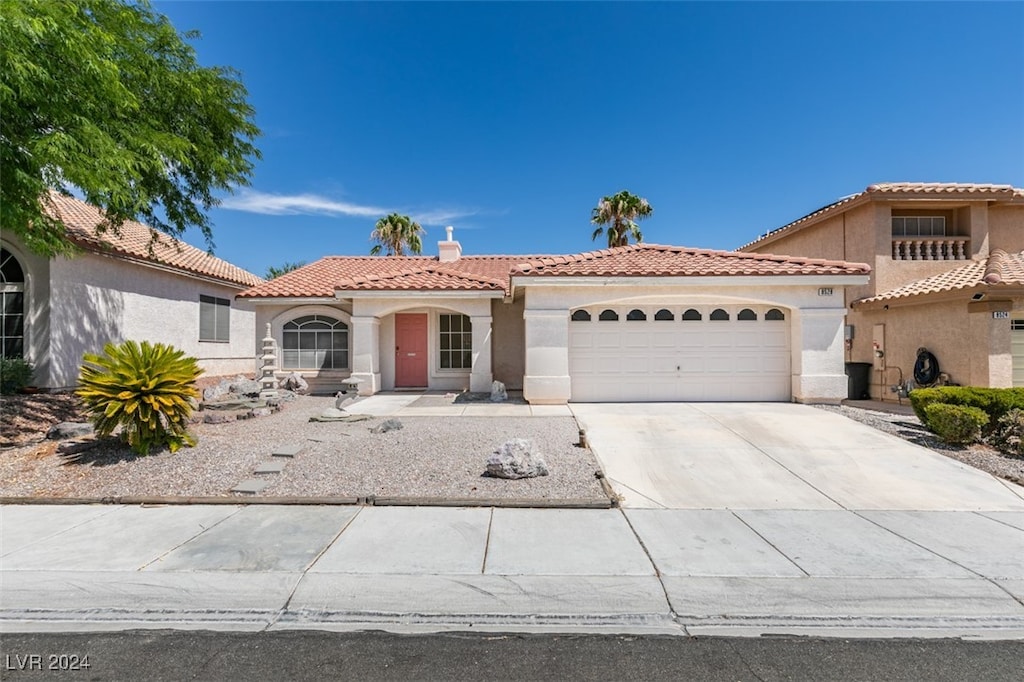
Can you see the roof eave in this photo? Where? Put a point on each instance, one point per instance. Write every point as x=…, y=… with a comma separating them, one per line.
x=845, y=279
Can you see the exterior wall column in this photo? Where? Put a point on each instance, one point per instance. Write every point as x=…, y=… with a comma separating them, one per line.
x=992, y=358
x=481, y=376
x=366, y=353
x=547, y=379
x=979, y=230
x=820, y=374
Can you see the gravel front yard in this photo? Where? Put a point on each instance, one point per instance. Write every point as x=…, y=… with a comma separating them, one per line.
x=429, y=457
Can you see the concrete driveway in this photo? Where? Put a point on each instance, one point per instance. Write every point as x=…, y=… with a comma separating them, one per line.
x=775, y=456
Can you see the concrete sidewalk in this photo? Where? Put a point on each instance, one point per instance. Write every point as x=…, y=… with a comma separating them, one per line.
x=685, y=572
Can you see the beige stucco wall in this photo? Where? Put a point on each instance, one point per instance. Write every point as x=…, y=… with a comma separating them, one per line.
x=97, y=299
x=1006, y=227
x=973, y=348
x=508, y=359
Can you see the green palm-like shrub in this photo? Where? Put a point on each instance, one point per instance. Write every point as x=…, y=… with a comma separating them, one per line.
x=15, y=374
x=956, y=423
x=147, y=390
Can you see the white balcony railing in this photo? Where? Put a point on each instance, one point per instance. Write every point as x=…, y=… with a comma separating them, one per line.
x=931, y=248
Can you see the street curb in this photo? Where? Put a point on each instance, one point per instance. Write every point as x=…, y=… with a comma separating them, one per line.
x=369, y=501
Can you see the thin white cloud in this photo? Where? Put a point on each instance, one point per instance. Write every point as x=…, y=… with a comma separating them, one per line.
x=251, y=201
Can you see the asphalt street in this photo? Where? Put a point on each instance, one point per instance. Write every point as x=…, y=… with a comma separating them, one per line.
x=305, y=655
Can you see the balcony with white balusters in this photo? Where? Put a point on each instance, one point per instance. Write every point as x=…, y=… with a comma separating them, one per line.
x=931, y=248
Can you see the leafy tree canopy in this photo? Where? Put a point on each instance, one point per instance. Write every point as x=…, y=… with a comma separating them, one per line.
x=619, y=214
x=106, y=98
x=275, y=272
x=394, y=233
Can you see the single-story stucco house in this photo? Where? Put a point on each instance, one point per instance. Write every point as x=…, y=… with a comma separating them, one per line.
x=120, y=287
x=635, y=323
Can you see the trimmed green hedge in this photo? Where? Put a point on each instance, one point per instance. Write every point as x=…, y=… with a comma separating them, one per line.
x=994, y=402
x=956, y=423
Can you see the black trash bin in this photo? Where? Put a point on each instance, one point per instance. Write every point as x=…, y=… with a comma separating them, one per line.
x=858, y=380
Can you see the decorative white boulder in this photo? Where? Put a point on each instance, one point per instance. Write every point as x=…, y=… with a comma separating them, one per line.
x=516, y=458
x=498, y=392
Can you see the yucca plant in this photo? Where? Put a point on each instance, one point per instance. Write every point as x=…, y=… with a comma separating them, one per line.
x=146, y=389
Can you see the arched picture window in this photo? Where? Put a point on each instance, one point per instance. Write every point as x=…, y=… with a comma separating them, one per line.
x=12, y=306
x=608, y=316
x=580, y=316
x=664, y=314
x=719, y=315
x=314, y=342
x=692, y=314
x=636, y=315
x=747, y=314
x=774, y=314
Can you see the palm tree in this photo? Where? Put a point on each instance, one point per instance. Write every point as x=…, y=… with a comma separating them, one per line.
x=619, y=213
x=395, y=232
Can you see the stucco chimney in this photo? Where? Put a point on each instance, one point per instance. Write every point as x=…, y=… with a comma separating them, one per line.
x=449, y=250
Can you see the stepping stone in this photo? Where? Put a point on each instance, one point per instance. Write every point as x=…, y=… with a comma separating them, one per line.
x=286, y=451
x=250, y=486
x=269, y=468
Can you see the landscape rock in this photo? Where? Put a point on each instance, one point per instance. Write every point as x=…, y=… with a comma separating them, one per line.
x=66, y=430
x=217, y=392
x=387, y=425
x=516, y=458
x=294, y=382
x=244, y=386
x=259, y=412
x=498, y=392
x=219, y=417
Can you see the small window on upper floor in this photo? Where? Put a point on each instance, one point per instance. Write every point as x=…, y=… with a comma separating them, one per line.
x=608, y=316
x=918, y=226
x=636, y=315
x=580, y=316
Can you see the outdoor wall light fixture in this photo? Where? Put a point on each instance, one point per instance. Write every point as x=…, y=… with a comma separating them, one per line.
x=978, y=296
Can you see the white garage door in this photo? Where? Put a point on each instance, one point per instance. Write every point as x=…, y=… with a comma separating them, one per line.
x=699, y=353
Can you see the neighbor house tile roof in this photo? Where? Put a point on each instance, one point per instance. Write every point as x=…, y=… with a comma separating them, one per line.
x=903, y=190
x=135, y=241
x=493, y=273
x=653, y=260
x=1000, y=269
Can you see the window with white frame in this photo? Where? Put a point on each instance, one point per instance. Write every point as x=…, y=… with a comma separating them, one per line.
x=455, y=342
x=214, y=319
x=918, y=226
x=12, y=306
x=314, y=342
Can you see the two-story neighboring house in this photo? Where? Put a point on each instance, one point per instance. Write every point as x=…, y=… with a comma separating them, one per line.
x=947, y=276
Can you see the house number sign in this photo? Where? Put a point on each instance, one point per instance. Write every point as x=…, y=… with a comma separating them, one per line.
x=825, y=291
x=1000, y=314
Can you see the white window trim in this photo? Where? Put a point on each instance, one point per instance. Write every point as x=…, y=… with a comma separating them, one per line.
x=447, y=371
x=217, y=305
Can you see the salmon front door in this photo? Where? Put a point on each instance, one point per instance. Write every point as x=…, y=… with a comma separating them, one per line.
x=410, y=350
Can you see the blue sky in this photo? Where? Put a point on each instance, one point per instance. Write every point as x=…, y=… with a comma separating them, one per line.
x=509, y=121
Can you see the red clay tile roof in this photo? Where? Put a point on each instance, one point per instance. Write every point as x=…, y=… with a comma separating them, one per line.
x=136, y=243
x=905, y=190
x=391, y=273
x=1000, y=269
x=653, y=260
x=493, y=273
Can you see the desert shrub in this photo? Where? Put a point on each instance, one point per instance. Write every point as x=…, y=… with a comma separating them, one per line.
x=995, y=402
x=956, y=423
x=15, y=374
x=146, y=390
x=1008, y=435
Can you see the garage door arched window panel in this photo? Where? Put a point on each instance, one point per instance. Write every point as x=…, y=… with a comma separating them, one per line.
x=719, y=315
x=580, y=316
x=608, y=316
x=692, y=315
x=664, y=315
x=774, y=314
x=314, y=342
x=456, y=342
x=636, y=315
x=747, y=314
x=12, y=306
